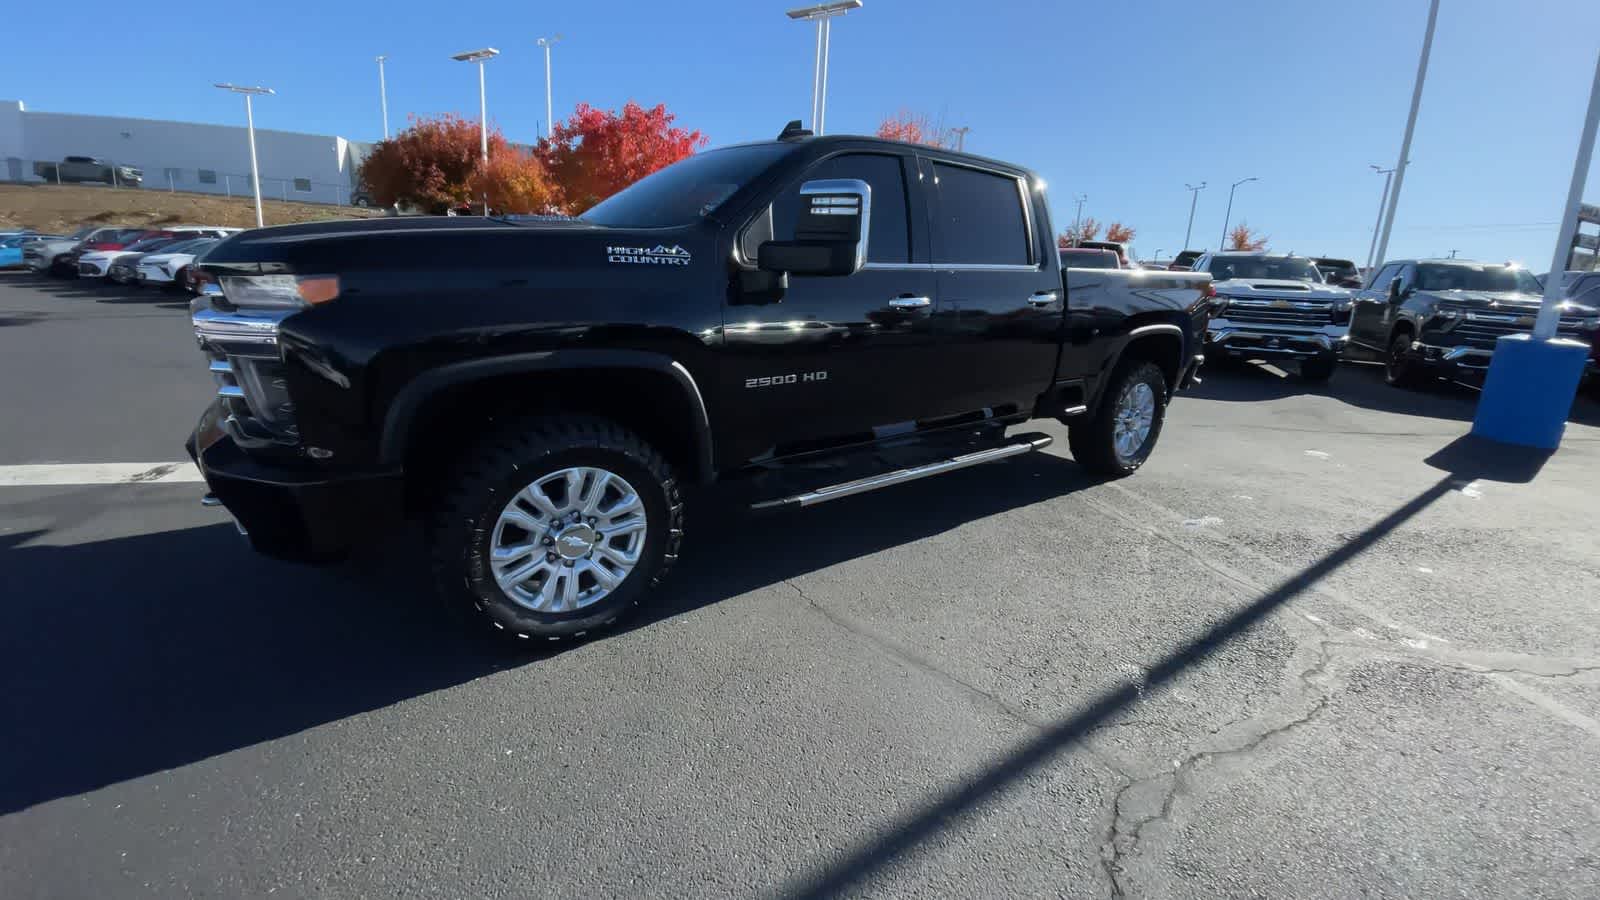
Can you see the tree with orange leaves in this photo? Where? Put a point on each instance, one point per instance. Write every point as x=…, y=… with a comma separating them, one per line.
x=1242, y=238
x=913, y=128
x=597, y=153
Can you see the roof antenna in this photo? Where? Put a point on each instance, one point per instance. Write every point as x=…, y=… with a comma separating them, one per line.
x=794, y=131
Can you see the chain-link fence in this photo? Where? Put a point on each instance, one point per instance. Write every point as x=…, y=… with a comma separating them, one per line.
x=126, y=175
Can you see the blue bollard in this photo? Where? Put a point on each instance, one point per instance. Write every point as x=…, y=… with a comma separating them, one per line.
x=1529, y=390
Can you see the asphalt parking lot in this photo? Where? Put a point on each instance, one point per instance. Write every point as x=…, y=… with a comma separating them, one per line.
x=1321, y=646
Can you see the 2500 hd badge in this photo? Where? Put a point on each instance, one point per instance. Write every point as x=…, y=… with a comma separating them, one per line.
x=649, y=256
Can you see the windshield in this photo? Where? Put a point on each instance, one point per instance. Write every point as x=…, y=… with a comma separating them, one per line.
x=149, y=244
x=185, y=246
x=1089, y=259
x=11, y=242
x=1434, y=277
x=1338, y=267
x=1288, y=268
x=684, y=191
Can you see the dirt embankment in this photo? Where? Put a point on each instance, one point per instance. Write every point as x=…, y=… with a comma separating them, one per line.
x=64, y=208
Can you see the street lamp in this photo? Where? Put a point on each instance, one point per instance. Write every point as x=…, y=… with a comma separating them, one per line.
x=250, y=126
x=822, y=14
x=1411, y=127
x=1194, y=197
x=1077, y=219
x=1388, y=176
x=480, y=57
x=383, y=97
x=1229, y=214
x=547, y=43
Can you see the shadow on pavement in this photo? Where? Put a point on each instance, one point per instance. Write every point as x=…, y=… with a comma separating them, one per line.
x=101, y=291
x=1358, y=384
x=129, y=656
x=1475, y=459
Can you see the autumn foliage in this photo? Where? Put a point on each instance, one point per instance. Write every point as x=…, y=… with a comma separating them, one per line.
x=437, y=164
x=1242, y=238
x=913, y=128
x=1119, y=233
x=1086, y=230
x=429, y=165
x=597, y=153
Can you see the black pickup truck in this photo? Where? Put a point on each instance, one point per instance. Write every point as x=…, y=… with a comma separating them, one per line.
x=804, y=319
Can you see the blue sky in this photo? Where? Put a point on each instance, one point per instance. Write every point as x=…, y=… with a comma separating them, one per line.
x=1122, y=102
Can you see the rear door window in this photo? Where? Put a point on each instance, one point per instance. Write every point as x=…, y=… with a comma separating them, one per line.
x=980, y=218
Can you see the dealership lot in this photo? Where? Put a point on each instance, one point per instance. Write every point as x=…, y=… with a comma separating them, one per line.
x=1320, y=646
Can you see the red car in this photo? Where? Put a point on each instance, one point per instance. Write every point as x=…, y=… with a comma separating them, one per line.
x=106, y=239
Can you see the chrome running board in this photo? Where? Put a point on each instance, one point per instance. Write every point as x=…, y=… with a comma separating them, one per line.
x=1015, y=446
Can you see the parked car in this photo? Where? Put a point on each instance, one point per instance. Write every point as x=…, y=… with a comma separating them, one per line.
x=1088, y=258
x=170, y=267
x=78, y=169
x=743, y=315
x=45, y=255
x=1581, y=286
x=1339, y=272
x=100, y=241
x=1276, y=307
x=1441, y=317
x=99, y=263
x=11, y=251
x=1124, y=260
x=1184, y=261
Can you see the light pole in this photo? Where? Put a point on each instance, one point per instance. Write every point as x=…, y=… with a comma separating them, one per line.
x=1223, y=245
x=480, y=57
x=961, y=137
x=383, y=97
x=1388, y=176
x=547, y=43
x=250, y=126
x=1157, y=257
x=1077, y=220
x=1411, y=127
x=1194, y=197
x=822, y=14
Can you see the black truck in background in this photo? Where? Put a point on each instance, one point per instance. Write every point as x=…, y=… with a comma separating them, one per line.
x=803, y=319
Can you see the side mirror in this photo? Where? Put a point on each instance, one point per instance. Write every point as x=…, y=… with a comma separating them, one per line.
x=830, y=231
x=1395, y=296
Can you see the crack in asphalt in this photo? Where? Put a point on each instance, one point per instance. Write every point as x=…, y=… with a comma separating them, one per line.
x=1121, y=842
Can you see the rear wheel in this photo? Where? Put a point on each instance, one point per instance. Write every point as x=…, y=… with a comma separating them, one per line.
x=554, y=527
x=1318, y=368
x=1399, y=369
x=1124, y=430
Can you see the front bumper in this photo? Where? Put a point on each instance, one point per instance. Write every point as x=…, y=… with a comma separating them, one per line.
x=303, y=515
x=1251, y=340
x=88, y=268
x=154, y=275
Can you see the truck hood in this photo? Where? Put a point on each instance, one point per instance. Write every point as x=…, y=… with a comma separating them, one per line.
x=1506, y=301
x=1280, y=288
x=466, y=242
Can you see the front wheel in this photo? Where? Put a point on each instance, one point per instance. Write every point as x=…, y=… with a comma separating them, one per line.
x=1399, y=369
x=1318, y=368
x=554, y=527
x=1124, y=430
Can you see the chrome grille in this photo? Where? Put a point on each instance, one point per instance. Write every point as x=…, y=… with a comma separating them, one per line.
x=1297, y=313
x=1483, y=332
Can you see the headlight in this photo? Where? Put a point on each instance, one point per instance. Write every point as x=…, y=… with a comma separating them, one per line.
x=279, y=291
x=1446, y=312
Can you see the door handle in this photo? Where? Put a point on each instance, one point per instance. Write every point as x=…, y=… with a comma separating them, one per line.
x=1042, y=298
x=910, y=302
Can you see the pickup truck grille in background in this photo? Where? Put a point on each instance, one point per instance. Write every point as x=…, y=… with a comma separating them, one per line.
x=245, y=363
x=1266, y=314
x=1483, y=332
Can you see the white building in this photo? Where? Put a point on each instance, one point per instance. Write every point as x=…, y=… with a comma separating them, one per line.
x=183, y=156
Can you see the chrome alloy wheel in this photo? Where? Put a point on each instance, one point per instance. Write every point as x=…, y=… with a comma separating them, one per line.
x=1136, y=412
x=568, y=539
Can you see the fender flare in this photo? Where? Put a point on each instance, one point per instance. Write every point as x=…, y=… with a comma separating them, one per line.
x=403, y=410
x=1134, y=334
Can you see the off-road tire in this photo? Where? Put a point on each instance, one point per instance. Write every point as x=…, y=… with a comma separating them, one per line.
x=1092, y=440
x=1318, y=368
x=479, y=486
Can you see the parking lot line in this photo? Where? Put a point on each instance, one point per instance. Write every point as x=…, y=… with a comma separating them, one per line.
x=98, y=473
